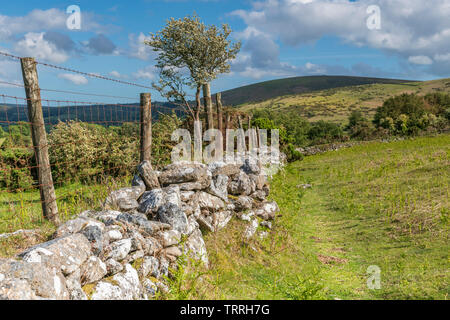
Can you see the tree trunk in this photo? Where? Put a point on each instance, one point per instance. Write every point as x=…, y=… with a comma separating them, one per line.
x=199, y=104
x=219, y=112
x=208, y=106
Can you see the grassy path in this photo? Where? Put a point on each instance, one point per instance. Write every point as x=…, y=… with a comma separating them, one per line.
x=382, y=204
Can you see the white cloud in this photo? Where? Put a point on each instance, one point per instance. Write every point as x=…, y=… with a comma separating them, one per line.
x=409, y=28
x=77, y=79
x=138, y=49
x=422, y=60
x=148, y=72
x=34, y=45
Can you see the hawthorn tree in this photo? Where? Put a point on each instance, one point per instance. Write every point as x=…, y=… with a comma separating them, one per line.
x=191, y=54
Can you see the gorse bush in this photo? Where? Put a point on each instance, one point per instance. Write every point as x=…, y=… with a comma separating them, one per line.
x=16, y=158
x=322, y=132
x=85, y=152
x=408, y=114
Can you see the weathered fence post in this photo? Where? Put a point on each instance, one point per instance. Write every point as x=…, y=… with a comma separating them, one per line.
x=146, y=126
x=208, y=106
x=39, y=137
x=220, y=116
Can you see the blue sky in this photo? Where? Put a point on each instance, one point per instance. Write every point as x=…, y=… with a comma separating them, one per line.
x=280, y=38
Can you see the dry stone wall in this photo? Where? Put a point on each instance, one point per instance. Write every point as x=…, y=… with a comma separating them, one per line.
x=127, y=250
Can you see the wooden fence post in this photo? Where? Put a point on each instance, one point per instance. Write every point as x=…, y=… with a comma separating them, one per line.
x=220, y=116
x=39, y=137
x=146, y=126
x=208, y=106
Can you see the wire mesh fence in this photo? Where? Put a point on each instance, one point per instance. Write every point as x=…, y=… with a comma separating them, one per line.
x=93, y=148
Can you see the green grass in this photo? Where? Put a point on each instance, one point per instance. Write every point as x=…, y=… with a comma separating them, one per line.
x=383, y=204
x=22, y=210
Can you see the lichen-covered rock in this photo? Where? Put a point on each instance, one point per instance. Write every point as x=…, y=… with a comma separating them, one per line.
x=65, y=254
x=73, y=283
x=260, y=180
x=219, y=187
x=92, y=270
x=230, y=170
x=267, y=210
x=75, y=226
x=112, y=201
x=138, y=182
x=44, y=281
x=169, y=238
x=126, y=204
x=174, y=216
x=149, y=175
x=251, y=165
x=221, y=219
x=123, y=286
x=172, y=195
x=208, y=201
x=150, y=265
x=95, y=236
x=205, y=223
x=107, y=291
x=186, y=196
x=113, y=233
x=119, y=250
x=195, y=247
x=16, y=289
x=113, y=266
x=149, y=287
x=259, y=195
x=106, y=216
x=189, y=176
x=151, y=201
x=242, y=185
x=243, y=203
x=172, y=253
x=251, y=229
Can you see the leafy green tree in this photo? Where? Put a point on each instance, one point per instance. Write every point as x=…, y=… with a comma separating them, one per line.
x=192, y=54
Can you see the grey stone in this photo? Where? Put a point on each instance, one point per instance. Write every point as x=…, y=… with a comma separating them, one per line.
x=127, y=204
x=267, y=210
x=173, y=215
x=219, y=187
x=73, y=282
x=65, y=254
x=195, y=247
x=169, y=238
x=44, y=281
x=221, y=219
x=150, y=265
x=251, y=166
x=93, y=270
x=208, y=201
x=151, y=201
x=243, y=203
x=113, y=267
x=75, y=226
x=95, y=237
x=241, y=185
x=112, y=201
x=149, y=287
x=149, y=176
x=251, y=229
x=119, y=250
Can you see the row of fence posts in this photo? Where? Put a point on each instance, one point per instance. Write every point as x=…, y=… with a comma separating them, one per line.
x=39, y=136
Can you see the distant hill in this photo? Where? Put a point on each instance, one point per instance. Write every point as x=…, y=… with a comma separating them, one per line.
x=270, y=89
x=337, y=103
x=99, y=114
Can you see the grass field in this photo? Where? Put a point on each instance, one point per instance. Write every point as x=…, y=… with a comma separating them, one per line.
x=382, y=204
x=22, y=210
x=336, y=104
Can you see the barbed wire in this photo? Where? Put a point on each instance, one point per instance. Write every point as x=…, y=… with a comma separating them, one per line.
x=92, y=75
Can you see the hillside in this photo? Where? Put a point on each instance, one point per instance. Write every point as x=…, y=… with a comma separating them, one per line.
x=337, y=103
x=270, y=89
x=376, y=204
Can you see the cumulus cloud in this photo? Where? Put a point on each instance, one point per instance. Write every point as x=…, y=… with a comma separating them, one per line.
x=148, y=73
x=411, y=29
x=138, y=49
x=35, y=45
x=77, y=79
